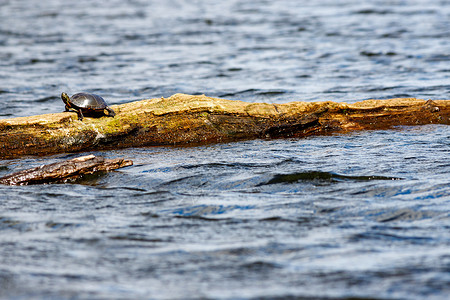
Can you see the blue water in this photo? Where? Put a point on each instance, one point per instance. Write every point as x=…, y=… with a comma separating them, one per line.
x=363, y=215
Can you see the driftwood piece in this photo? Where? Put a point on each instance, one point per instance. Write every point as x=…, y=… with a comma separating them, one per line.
x=65, y=170
x=186, y=119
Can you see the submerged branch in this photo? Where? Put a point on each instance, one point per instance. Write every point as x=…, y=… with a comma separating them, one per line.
x=65, y=170
x=186, y=119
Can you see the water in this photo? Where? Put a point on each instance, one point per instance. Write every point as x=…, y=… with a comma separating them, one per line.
x=360, y=215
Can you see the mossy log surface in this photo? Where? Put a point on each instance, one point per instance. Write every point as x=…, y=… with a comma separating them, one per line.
x=187, y=119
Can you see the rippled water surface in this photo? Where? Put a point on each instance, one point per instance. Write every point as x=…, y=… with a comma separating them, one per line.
x=363, y=215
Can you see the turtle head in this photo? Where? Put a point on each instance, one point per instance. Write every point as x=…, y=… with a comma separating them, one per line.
x=65, y=98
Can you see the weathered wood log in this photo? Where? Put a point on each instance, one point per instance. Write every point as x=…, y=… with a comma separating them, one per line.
x=187, y=119
x=64, y=171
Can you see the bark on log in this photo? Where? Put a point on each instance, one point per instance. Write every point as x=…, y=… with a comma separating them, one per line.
x=64, y=171
x=187, y=119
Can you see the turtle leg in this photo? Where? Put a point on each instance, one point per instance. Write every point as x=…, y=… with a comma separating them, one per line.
x=78, y=111
x=111, y=113
x=80, y=115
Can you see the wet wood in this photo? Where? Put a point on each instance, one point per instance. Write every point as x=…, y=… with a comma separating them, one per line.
x=65, y=171
x=187, y=119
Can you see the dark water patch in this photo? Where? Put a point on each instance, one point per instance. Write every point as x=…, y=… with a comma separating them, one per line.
x=7, y=282
x=207, y=210
x=115, y=53
x=16, y=34
x=378, y=11
x=303, y=76
x=305, y=297
x=271, y=93
x=431, y=88
x=190, y=63
x=48, y=14
x=238, y=93
x=16, y=225
x=7, y=223
x=136, y=238
x=259, y=266
x=156, y=196
x=405, y=215
x=393, y=35
x=371, y=54
x=191, y=180
x=277, y=219
x=131, y=15
x=397, y=95
x=47, y=99
x=205, y=218
x=149, y=215
x=88, y=179
x=390, y=238
x=373, y=11
x=87, y=59
x=322, y=177
x=134, y=37
x=337, y=90
x=233, y=165
x=134, y=189
x=438, y=57
x=363, y=88
x=61, y=226
x=41, y=60
x=381, y=89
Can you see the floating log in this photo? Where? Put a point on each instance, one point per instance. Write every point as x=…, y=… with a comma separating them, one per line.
x=187, y=119
x=64, y=171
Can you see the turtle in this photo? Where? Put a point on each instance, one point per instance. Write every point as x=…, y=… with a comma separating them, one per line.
x=87, y=104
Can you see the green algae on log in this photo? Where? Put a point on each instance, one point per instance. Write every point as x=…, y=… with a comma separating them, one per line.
x=186, y=119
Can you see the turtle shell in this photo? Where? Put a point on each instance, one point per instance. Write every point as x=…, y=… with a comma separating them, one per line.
x=87, y=104
x=87, y=101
